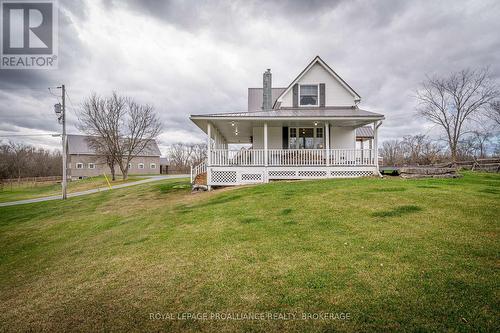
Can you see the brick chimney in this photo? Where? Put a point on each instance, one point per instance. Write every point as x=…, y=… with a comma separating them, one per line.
x=267, y=96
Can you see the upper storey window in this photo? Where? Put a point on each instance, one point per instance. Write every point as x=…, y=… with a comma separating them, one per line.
x=308, y=95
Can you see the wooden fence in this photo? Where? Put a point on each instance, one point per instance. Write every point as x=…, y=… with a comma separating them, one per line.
x=28, y=182
x=177, y=171
x=480, y=164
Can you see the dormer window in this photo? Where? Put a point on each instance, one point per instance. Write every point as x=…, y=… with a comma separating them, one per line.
x=308, y=95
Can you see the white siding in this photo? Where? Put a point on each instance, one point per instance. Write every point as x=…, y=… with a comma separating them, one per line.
x=342, y=138
x=274, y=137
x=287, y=99
x=335, y=93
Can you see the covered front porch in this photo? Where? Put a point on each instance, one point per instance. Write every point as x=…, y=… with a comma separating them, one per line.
x=256, y=150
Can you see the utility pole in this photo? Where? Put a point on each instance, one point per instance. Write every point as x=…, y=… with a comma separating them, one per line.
x=60, y=110
x=65, y=142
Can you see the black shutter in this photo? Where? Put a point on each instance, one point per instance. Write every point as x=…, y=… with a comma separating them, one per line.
x=322, y=95
x=295, y=95
x=285, y=137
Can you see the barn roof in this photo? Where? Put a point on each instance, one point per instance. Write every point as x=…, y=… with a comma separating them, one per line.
x=79, y=145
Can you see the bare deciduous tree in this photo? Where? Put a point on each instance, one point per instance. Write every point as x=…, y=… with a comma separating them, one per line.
x=199, y=153
x=182, y=155
x=466, y=149
x=19, y=156
x=494, y=112
x=419, y=149
x=391, y=152
x=107, y=154
x=412, y=146
x=412, y=150
x=496, y=149
x=20, y=160
x=453, y=101
x=480, y=141
x=179, y=154
x=140, y=128
x=123, y=129
x=100, y=118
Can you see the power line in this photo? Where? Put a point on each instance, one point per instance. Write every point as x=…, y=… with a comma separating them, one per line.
x=28, y=135
x=19, y=116
x=71, y=102
x=56, y=96
x=24, y=88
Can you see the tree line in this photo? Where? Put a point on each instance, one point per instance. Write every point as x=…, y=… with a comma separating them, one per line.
x=19, y=160
x=181, y=156
x=465, y=107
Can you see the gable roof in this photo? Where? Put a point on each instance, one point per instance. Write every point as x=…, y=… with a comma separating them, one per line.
x=78, y=144
x=255, y=97
x=318, y=60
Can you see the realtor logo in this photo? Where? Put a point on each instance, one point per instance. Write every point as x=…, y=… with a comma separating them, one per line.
x=29, y=34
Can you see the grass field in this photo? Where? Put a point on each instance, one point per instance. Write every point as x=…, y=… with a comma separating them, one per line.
x=30, y=192
x=414, y=255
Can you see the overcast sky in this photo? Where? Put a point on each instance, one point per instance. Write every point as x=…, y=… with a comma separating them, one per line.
x=200, y=57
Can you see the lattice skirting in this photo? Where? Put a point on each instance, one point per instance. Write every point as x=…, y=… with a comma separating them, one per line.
x=230, y=177
x=350, y=173
x=303, y=174
x=223, y=177
x=251, y=177
x=238, y=176
x=313, y=174
x=282, y=174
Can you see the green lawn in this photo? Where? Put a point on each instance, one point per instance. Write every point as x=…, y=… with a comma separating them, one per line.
x=29, y=192
x=414, y=255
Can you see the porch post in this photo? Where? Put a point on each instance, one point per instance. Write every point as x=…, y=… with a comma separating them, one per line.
x=327, y=143
x=209, y=144
x=216, y=139
x=209, y=154
x=362, y=151
x=375, y=143
x=370, y=152
x=265, y=145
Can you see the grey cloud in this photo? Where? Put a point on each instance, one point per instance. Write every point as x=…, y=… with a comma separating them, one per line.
x=227, y=20
x=383, y=49
x=71, y=54
x=194, y=15
x=26, y=102
x=76, y=7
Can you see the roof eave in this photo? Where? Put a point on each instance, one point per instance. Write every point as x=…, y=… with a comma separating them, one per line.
x=201, y=117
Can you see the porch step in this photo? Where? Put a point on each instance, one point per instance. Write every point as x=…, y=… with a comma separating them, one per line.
x=200, y=179
x=200, y=183
x=198, y=188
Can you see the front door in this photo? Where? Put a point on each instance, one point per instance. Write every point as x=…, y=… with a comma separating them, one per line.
x=306, y=138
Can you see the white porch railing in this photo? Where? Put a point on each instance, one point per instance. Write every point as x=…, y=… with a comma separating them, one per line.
x=245, y=157
x=198, y=169
x=352, y=157
x=293, y=157
x=279, y=157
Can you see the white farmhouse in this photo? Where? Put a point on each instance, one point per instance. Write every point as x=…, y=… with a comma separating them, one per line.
x=311, y=129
